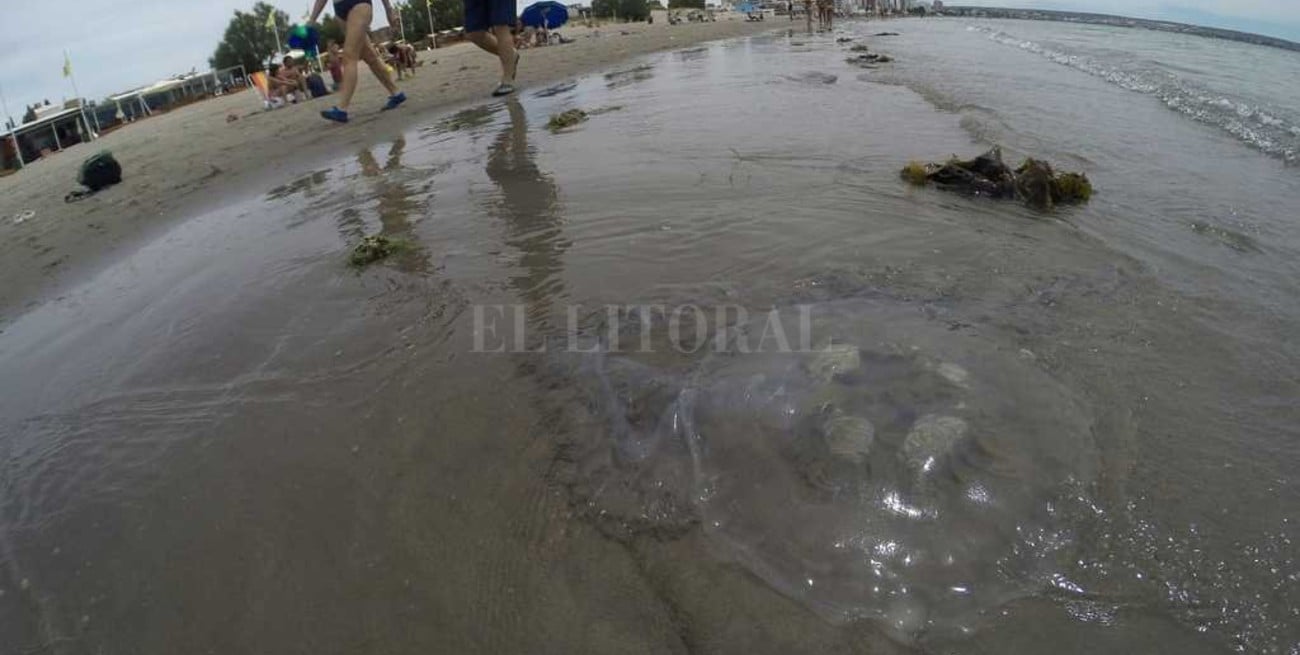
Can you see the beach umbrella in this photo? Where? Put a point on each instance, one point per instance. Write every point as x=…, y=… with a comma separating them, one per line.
x=546, y=14
x=305, y=38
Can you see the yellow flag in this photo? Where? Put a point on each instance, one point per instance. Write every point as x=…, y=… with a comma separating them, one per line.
x=67, y=65
x=270, y=20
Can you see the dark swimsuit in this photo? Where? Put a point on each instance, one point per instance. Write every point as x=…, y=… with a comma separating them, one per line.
x=344, y=7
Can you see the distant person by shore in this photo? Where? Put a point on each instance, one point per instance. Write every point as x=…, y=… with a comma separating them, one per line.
x=357, y=15
x=402, y=58
x=487, y=24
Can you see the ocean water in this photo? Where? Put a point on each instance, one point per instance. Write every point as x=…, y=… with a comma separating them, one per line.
x=1247, y=91
x=995, y=431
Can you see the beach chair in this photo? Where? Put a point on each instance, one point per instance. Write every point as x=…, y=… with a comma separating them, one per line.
x=262, y=85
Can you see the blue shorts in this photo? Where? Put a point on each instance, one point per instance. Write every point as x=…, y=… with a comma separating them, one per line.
x=344, y=7
x=482, y=15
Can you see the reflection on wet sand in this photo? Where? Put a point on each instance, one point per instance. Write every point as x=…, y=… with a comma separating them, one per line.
x=304, y=185
x=230, y=443
x=397, y=204
x=529, y=205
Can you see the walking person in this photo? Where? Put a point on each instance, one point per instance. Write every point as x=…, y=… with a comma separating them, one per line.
x=487, y=24
x=357, y=15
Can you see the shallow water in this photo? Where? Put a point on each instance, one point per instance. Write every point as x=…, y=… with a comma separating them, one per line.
x=232, y=441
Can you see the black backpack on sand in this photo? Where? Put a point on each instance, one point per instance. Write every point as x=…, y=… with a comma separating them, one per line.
x=97, y=173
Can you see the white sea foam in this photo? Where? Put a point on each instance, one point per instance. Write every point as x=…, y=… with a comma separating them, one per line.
x=1261, y=128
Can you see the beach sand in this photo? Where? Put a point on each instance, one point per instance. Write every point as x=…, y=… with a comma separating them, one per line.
x=186, y=161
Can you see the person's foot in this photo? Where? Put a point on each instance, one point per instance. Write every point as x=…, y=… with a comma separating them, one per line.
x=503, y=89
x=394, y=101
x=335, y=114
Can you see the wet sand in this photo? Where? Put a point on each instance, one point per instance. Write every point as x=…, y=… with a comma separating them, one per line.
x=230, y=441
x=191, y=160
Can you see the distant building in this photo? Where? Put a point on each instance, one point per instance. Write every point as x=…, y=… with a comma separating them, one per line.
x=54, y=129
x=938, y=6
x=49, y=128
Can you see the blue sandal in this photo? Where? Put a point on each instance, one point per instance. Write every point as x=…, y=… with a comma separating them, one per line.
x=335, y=114
x=394, y=101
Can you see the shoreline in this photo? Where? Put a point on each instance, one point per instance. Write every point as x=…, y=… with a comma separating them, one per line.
x=188, y=161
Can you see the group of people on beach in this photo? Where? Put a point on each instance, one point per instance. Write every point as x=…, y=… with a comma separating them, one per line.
x=824, y=10
x=286, y=79
x=527, y=36
x=487, y=24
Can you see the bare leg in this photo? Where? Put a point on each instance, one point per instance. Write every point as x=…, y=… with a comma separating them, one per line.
x=505, y=52
x=357, y=47
x=356, y=42
x=500, y=43
x=377, y=67
x=484, y=40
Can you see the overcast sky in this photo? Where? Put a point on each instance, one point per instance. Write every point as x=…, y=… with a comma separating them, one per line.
x=117, y=45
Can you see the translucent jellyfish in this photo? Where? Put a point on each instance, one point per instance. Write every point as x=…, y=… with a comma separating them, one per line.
x=900, y=472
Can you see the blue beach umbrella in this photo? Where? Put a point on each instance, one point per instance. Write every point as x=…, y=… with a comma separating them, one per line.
x=546, y=14
x=305, y=38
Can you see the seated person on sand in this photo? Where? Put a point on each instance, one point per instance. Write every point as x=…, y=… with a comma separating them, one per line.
x=287, y=78
x=335, y=58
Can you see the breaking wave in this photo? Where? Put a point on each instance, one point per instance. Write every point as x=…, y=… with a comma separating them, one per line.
x=1259, y=127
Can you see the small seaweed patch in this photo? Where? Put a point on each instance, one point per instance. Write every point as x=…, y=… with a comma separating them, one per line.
x=868, y=59
x=859, y=48
x=1071, y=188
x=565, y=120
x=377, y=248
x=916, y=173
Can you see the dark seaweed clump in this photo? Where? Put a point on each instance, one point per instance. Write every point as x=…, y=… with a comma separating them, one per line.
x=566, y=120
x=376, y=248
x=1035, y=183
